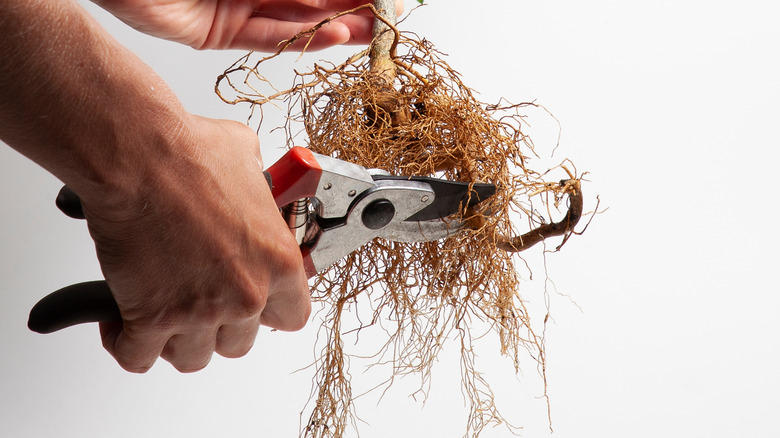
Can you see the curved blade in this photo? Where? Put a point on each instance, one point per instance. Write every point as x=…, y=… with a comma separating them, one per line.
x=451, y=196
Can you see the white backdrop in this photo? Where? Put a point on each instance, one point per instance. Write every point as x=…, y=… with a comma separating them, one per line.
x=672, y=106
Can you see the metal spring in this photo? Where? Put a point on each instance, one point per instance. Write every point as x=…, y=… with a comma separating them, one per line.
x=296, y=214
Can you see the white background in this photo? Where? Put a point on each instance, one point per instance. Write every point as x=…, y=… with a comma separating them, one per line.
x=672, y=106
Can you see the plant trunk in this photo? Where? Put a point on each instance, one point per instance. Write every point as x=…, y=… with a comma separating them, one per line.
x=381, y=60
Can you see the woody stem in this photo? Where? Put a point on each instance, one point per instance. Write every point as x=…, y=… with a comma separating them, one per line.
x=380, y=52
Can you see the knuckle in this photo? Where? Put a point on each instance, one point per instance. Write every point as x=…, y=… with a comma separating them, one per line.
x=253, y=302
x=244, y=296
x=250, y=299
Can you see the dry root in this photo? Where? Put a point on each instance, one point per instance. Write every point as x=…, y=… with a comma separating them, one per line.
x=426, y=122
x=565, y=227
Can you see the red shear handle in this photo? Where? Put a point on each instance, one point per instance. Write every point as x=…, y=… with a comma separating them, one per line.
x=296, y=175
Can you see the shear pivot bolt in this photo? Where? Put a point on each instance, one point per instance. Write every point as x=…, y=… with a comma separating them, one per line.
x=378, y=214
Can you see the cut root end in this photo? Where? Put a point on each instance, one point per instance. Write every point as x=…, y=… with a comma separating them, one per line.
x=565, y=227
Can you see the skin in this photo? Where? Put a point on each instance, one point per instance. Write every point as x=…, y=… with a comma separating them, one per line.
x=185, y=228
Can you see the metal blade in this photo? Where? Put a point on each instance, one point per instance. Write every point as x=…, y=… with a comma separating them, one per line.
x=451, y=196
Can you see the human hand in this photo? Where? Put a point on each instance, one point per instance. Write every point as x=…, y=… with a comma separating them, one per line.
x=245, y=24
x=199, y=257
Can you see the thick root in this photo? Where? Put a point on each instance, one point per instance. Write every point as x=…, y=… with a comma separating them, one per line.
x=565, y=227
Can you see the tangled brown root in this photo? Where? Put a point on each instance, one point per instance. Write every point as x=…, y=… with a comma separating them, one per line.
x=424, y=122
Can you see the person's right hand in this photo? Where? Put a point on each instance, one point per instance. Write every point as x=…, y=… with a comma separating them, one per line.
x=199, y=256
x=245, y=24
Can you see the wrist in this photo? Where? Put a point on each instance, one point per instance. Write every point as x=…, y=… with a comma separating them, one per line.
x=132, y=145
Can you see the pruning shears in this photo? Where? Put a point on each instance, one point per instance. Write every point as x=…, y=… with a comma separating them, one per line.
x=331, y=206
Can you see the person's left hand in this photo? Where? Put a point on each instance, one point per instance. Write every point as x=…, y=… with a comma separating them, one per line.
x=245, y=24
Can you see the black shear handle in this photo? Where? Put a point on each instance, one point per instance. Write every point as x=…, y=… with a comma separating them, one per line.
x=75, y=304
x=80, y=303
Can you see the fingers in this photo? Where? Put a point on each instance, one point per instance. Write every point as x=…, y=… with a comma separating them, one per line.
x=266, y=34
x=137, y=350
x=275, y=22
x=186, y=352
x=287, y=308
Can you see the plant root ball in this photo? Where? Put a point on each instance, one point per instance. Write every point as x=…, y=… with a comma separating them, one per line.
x=425, y=121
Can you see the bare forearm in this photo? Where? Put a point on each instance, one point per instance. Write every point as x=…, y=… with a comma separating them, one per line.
x=78, y=103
